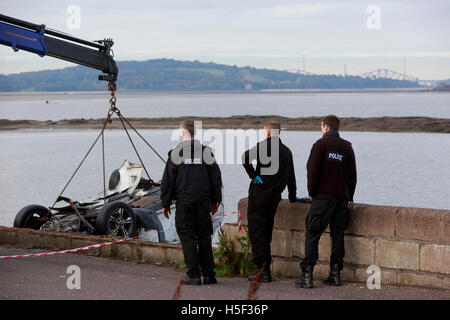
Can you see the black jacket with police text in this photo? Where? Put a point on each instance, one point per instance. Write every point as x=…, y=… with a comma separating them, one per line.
x=191, y=174
x=332, y=168
x=273, y=182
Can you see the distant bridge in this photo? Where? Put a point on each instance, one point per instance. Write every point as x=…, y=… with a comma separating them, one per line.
x=383, y=73
x=430, y=83
x=389, y=74
x=299, y=71
x=376, y=74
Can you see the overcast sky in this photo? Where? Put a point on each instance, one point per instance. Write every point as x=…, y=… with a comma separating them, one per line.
x=258, y=33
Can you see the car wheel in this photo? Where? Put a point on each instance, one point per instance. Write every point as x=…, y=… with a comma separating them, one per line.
x=32, y=216
x=117, y=218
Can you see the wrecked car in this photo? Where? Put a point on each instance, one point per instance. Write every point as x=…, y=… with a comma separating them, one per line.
x=131, y=208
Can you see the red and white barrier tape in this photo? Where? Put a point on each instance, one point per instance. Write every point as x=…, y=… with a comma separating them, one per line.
x=106, y=243
x=224, y=215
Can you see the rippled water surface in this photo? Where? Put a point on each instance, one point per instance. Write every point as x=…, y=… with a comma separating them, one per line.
x=303, y=104
x=401, y=169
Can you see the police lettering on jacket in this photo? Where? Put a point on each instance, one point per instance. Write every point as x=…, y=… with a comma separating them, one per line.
x=191, y=174
x=192, y=161
x=334, y=156
x=332, y=168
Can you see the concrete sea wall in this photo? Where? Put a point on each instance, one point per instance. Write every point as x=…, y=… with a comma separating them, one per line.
x=133, y=250
x=411, y=246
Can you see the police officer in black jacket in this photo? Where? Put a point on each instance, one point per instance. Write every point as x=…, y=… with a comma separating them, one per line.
x=274, y=170
x=192, y=178
x=331, y=183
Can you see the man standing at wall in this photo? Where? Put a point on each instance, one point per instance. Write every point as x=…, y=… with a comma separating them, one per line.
x=193, y=178
x=331, y=183
x=274, y=170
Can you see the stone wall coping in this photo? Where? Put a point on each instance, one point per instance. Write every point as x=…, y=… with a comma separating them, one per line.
x=377, y=221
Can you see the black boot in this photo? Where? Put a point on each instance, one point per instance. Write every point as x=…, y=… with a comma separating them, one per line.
x=334, y=277
x=306, y=280
x=196, y=281
x=265, y=276
x=209, y=280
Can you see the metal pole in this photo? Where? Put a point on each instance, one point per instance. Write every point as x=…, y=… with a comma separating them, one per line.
x=404, y=68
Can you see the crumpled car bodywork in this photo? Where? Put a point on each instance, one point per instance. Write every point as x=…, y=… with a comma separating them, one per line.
x=132, y=207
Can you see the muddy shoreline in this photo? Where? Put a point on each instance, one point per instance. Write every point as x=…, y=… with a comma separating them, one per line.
x=378, y=124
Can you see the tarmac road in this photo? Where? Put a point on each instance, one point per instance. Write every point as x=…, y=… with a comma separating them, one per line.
x=46, y=277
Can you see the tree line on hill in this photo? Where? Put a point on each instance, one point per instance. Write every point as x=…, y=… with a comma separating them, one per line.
x=175, y=75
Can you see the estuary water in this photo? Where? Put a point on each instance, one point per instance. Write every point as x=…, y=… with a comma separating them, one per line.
x=57, y=106
x=400, y=169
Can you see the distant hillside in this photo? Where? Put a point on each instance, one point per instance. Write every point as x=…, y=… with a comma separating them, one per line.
x=174, y=75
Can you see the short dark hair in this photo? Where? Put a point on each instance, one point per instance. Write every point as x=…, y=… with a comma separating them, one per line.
x=332, y=121
x=189, y=126
x=272, y=125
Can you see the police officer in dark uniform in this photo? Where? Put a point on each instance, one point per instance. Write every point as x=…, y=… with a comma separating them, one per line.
x=331, y=184
x=274, y=170
x=193, y=178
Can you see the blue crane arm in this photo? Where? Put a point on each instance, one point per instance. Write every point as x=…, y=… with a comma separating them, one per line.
x=20, y=38
x=34, y=38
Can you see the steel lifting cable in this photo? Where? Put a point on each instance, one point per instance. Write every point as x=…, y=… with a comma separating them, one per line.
x=113, y=109
x=103, y=166
x=112, y=101
x=84, y=158
x=132, y=143
x=148, y=144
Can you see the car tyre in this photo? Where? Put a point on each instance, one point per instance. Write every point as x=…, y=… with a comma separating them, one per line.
x=32, y=216
x=118, y=219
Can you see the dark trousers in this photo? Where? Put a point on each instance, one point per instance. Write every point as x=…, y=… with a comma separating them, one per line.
x=194, y=227
x=261, y=214
x=326, y=210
